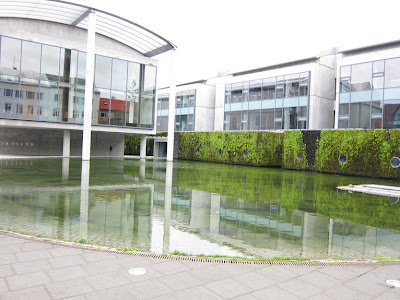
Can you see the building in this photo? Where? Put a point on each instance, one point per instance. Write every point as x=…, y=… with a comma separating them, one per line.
x=368, y=86
x=194, y=108
x=50, y=52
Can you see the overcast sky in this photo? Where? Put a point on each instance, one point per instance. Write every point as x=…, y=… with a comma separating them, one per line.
x=219, y=35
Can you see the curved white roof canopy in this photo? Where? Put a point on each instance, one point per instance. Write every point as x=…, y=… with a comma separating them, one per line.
x=133, y=35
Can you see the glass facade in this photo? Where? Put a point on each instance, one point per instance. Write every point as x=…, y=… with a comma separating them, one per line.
x=268, y=104
x=369, y=95
x=184, y=111
x=46, y=83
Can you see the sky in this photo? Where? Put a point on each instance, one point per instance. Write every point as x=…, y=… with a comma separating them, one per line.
x=220, y=36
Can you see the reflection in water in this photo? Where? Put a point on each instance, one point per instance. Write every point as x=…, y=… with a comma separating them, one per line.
x=197, y=208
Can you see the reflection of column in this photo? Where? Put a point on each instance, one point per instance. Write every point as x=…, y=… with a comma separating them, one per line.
x=315, y=235
x=200, y=210
x=142, y=169
x=330, y=237
x=84, y=205
x=155, y=148
x=214, y=214
x=87, y=120
x=65, y=169
x=67, y=143
x=143, y=146
x=167, y=206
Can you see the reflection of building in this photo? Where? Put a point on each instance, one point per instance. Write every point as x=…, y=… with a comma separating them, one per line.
x=43, y=77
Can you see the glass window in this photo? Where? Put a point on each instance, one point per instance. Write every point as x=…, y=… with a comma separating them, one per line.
x=47, y=102
x=392, y=73
x=345, y=84
x=303, y=90
x=8, y=92
x=81, y=71
x=376, y=108
x=133, y=78
x=254, y=122
x=192, y=98
x=103, y=72
x=50, y=63
x=378, y=66
x=377, y=82
x=345, y=71
x=30, y=60
x=255, y=90
x=30, y=95
x=290, y=118
x=292, y=86
x=149, y=85
x=146, y=110
x=302, y=112
x=344, y=109
x=118, y=108
x=268, y=88
x=360, y=114
x=19, y=109
x=280, y=92
x=10, y=59
x=68, y=65
x=361, y=77
x=119, y=74
x=343, y=123
x=7, y=107
x=235, y=123
x=267, y=119
x=19, y=94
x=237, y=92
x=391, y=114
x=102, y=106
x=227, y=118
x=185, y=99
x=228, y=93
x=132, y=110
x=30, y=110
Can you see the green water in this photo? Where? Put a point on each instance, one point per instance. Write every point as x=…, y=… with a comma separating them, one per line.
x=210, y=209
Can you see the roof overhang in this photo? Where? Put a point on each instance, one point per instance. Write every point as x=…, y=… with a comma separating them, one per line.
x=112, y=26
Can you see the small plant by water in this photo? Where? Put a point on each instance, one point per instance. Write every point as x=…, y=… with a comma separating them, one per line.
x=128, y=249
x=82, y=241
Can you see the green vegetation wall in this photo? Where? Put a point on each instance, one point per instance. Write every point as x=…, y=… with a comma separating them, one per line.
x=256, y=148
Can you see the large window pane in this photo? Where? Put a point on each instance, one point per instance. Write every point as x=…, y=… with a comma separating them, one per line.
x=360, y=115
x=119, y=74
x=292, y=86
x=10, y=59
x=66, y=103
x=81, y=71
x=280, y=91
x=267, y=119
x=50, y=63
x=133, y=78
x=49, y=101
x=30, y=60
x=391, y=114
x=68, y=65
x=103, y=72
x=228, y=89
x=345, y=71
x=104, y=105
x=118, y=108
x=361, y=77
x=79, y=104
x=290, y=118
x=132, y=110
x=237, y=92
x=392, y=73
x=146, y=110
x=268, y=89
x=254, y=120
x=235, y=123
x=255, y=90
x=149, y=85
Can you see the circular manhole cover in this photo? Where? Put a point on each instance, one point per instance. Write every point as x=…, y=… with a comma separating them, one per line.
x=137, y=271
x=395, y=283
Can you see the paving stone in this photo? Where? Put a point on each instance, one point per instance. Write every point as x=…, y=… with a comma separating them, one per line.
x=208, y=274
x=149, y=289
x=181, y=281
x=391, y=294
x=108, y=280
x=197, y=293
x=320, y=297
x=246, y=297
x=23, y=281
x=120, y=293
x=34, y=293
x=9, y=249
x=65, y=251
x=67, y=273
x=33, y=255
x=300, y=288
x=31, y=246
x=341, y=292
x=127, y=261
x=320, y=280
x=228, y=288
x=31, y=266
x=300, y=270
x=339, y=273
x=98, y=256
x=68, y=288
x=66, y=261
x=3, y=286
x=235, y=269
x=101, y=267
x=8, y=258
x=151, y=273
x=6, y=270
x=254, y=280
x=170, y=267
x=370, y=284
x=277, y=273
x=273, y=293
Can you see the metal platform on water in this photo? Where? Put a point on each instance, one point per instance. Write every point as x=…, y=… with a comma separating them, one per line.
x=374, y=189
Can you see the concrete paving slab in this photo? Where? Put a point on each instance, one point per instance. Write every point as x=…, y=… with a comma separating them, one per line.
x=300, y=288
x=228, y=288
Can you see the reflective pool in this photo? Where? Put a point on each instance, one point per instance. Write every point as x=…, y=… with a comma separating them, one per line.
x=198, y=208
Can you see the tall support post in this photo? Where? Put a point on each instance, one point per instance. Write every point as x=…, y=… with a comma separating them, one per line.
x=87, y=120
x=142, y=147
x=171, y=109
x=67, y=143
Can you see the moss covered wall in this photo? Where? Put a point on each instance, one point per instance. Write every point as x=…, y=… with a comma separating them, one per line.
x=368, y=152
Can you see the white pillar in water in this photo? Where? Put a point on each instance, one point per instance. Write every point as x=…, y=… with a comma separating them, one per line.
x=142, y=147
x=87, y=119
x=67, y=143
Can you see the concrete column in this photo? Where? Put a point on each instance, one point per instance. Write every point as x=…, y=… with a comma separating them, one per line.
x=65, y=169
x=142, y=169
x=67, y=143
x=87, y=119
x=171, y=109
x=142, y=147
x=167, y=206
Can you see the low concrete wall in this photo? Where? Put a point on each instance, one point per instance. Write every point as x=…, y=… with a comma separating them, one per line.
x=46, y=142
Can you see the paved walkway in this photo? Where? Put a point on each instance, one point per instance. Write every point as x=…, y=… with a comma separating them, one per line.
x=31, y=269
